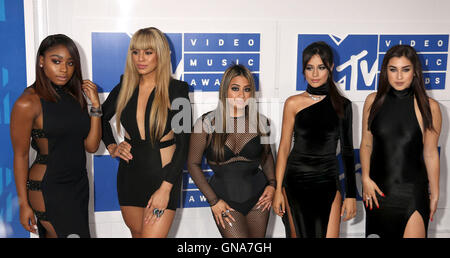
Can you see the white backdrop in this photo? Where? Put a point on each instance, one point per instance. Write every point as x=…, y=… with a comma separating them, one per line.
x=279, y=25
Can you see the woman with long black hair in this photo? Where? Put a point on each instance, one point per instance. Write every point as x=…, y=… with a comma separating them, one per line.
x=53, y=113
x=318, y=119
x=399, y=154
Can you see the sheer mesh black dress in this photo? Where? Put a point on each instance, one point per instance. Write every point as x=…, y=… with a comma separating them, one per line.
x=397, y=167
x=138, y=179
x=58, y=187
x=240, y=178
x=312, y=171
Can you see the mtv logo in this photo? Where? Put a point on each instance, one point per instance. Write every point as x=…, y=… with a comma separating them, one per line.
x=355, y=60
x=109, y=53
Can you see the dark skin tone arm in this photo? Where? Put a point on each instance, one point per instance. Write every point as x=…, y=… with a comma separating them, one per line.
x=25, y=112
x=92, y=141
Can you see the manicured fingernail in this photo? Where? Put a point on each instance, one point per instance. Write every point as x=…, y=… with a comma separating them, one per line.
x=383, y=195
x=431, y=219
x=229, y=223
x=378, y=206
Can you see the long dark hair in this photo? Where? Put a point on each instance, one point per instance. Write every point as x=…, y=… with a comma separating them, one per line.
x=43, y=86
x=417, y=84
x=323, y=50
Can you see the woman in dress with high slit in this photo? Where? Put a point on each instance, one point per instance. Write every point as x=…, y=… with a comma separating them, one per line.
x=153, y=153
x=308, y=186
x=399, y=154
x=53, y=113
x=235, y=140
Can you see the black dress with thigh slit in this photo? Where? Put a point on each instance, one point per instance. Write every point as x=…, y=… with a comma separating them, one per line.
x=312, y=171
x=138, y=179
x=397, y=167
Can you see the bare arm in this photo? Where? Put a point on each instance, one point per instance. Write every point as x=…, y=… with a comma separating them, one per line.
x=92, y=141
x=431, y=155
x=284, y=149
x=366, y=138
x=24, y=112
x=365, y=152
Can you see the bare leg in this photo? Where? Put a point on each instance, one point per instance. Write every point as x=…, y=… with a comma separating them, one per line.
x=334, y=221
x=159, y=229
x=415, y=228
x=133, y=217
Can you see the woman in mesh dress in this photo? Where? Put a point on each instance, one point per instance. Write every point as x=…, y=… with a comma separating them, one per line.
x=235, y=139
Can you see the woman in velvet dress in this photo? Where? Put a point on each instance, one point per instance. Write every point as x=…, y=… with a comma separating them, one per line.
x=53, y=113
x=318, y=119
x=399, y=154
x=234, y=138
x=153, y=153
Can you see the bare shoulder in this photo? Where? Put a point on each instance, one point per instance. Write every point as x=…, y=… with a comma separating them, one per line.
x=370, y=98
x=434, y=106
x=294, y=101
x=28, y=102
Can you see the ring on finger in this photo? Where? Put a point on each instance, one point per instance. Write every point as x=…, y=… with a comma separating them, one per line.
x=225, y=213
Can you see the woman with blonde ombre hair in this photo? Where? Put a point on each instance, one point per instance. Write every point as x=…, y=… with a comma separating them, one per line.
x=234, y=139
x=153, y=153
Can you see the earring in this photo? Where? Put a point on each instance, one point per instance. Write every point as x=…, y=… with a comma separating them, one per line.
x=41, y=65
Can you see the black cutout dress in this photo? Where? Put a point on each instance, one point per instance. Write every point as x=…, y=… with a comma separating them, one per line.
x=397, y=167
x=312, y=171
x=144, y=174
x=61, y=165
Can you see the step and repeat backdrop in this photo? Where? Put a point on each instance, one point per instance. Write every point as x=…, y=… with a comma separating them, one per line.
x=205, y=37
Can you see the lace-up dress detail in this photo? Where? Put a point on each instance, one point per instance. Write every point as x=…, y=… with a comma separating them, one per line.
x=58, y=188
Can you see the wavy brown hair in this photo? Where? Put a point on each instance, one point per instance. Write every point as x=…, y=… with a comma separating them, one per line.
x=221, y=113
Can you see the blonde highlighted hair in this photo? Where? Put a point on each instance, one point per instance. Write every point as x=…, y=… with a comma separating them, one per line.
x=148, y=38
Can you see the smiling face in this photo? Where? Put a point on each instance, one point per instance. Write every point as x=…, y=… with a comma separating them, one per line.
x=400, y=72
x=145, y=60
x=239, y=91
x=58, y=65
x=316, y=73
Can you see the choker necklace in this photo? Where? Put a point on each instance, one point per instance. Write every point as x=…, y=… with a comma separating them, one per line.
x=320, y=91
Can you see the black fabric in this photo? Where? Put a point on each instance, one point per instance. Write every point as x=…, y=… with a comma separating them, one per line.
x=144, y=174
x=321, y=90
x=397, y=166
x=242, y=176
x=312, y=172
x=65, y=186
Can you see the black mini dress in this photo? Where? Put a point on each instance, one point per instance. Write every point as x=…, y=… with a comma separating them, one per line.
x=138, y=179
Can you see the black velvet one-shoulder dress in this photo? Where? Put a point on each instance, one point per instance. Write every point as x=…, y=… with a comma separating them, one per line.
x=312, y=171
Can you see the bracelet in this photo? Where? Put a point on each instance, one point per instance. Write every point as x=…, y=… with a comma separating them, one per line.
x=96, y=111
x=213, y=201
